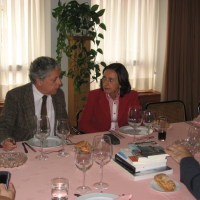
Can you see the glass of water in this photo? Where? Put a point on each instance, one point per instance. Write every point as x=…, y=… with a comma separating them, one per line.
x=59, y=188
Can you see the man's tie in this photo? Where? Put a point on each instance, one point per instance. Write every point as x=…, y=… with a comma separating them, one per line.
x=44, y=107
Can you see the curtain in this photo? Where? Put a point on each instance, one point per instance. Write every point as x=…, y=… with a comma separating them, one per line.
x=183, y=54
x=22, y=39
x=131, y=38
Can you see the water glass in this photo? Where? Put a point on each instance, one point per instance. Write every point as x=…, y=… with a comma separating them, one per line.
x=193, y=138
x=59, y=188
x=148, y=120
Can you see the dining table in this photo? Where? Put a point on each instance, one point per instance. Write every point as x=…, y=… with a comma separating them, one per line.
x=32, y=180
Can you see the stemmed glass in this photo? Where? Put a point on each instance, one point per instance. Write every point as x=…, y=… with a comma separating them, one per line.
x=135, y=119
x=148, y=120
x=102, y=155
x=84, y=161
x=42, y=132
x=63, y=131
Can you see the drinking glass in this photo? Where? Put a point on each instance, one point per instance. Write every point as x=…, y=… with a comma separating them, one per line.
x=42, y=132
x=63, y=131
x=148, y=120
x=102, y=155
x=193, y=138
x=162, y=128
x=135, y=119
x=83, y=161
x=59, y=188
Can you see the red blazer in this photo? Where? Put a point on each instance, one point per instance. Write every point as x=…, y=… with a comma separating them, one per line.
x=96, y=113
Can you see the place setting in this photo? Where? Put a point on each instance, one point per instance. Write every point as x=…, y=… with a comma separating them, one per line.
x=43, y=140
x=140, y=123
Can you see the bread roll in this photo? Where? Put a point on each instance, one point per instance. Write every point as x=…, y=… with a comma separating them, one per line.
x=83, y=146
x=165, y=182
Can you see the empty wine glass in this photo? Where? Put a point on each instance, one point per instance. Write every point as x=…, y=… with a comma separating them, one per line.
x=135, y=119
x=83, y=161
x=102, y=155
x=63, y=131
x=42, y=132
x=148, y=120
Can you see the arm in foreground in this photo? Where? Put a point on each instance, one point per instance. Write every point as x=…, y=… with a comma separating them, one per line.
x=8, y=194
x=189, y=168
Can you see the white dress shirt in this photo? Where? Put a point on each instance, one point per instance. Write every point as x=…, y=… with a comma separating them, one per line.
x=38, y=104
x=114, y=104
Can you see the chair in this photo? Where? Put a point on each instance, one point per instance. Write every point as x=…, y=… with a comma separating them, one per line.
x=75, y=128
x=173, y=110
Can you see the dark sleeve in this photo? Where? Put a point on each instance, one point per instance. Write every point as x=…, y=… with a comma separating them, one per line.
x=8, y=117
x=190, y=175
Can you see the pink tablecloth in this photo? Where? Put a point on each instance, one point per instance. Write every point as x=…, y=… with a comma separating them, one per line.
x=32, y=180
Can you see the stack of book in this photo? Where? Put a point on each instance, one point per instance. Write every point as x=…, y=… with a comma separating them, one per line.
x=142, y=160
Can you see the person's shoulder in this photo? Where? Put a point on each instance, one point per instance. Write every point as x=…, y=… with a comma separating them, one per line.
x=96, y=91
x=132, y=93
x=21, y=89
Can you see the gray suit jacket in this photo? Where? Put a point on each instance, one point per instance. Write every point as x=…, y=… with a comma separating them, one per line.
x=19, y=109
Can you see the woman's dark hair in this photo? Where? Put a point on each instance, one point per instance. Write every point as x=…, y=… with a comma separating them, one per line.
x=123, y=77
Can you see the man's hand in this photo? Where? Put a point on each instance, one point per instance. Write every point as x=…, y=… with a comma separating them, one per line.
x=8, y=145
x=9, y=193
x=178, y=152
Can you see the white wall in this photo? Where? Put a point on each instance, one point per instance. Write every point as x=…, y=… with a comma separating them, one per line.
x=159, y=82
x=161, y=45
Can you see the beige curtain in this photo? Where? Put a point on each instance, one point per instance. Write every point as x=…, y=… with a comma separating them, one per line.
x=131, y=38
x=22, y=39
x=183, y=54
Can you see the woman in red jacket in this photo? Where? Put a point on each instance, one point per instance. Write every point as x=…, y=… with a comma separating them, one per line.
x=107, y=107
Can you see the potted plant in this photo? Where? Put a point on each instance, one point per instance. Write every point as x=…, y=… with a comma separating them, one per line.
x=78, y=23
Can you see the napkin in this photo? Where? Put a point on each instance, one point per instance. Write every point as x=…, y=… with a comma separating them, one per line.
x=126, y=197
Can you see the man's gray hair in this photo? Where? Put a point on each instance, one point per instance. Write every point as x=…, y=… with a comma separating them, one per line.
x=41, y=68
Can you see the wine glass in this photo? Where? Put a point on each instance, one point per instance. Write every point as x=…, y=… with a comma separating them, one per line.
x=42, y=132
x=83, y=161
x=193, y=138
x=148, y=120
x=134, y=118
x=102, y=155
x=63, y=131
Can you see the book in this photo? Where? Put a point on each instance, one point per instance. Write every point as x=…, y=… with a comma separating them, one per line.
x=138, y=167
x=147, y=150
x=136, y=176
x=142, y=160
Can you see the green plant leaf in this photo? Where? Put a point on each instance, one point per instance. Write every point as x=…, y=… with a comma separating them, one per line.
x=103, y=64
x=100, y=50
x=97, y=42
x=101, y=12
x=101, y=35
x=94, y=7
x=103, y=26
x=84, y=98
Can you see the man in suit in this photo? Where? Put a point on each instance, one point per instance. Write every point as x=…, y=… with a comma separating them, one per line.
x=24, y=102
x=189, y=168
x=107, y=108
